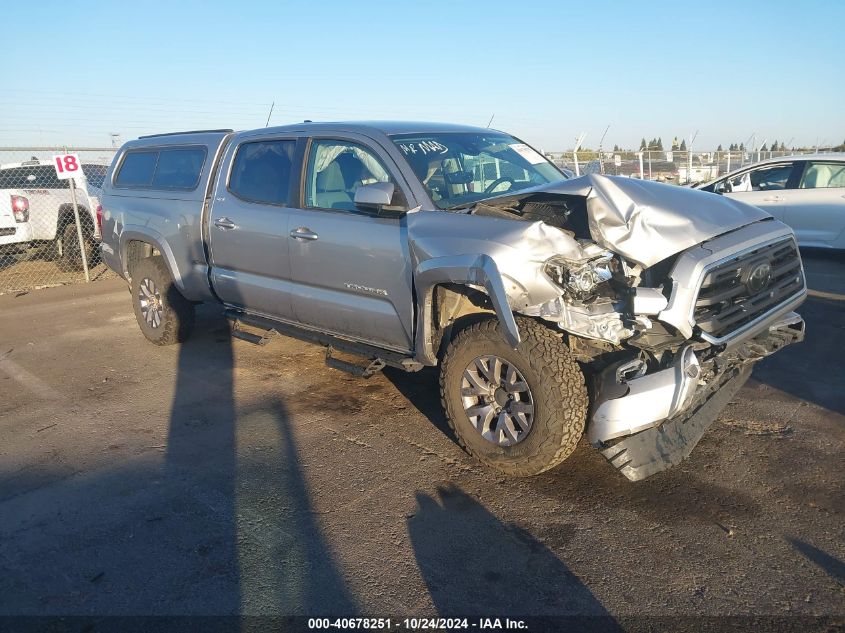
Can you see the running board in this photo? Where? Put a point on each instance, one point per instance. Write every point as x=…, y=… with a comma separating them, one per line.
x=375, y=365
x=377, y=357
x=250, y=337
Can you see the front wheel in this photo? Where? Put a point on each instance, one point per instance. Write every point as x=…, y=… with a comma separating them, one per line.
x=163, y=314
x=520, y=411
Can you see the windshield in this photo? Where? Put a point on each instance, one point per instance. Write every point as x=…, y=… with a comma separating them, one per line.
x=461, y=168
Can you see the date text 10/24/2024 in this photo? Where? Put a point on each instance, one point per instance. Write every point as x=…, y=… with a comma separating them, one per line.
x=417, y=624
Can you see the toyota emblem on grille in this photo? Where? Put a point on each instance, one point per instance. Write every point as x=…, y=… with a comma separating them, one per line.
x=759, y=277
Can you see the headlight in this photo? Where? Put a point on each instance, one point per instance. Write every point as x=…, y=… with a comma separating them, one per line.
x=582, y=277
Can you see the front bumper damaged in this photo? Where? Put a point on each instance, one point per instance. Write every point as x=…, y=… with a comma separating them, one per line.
x=648, y=423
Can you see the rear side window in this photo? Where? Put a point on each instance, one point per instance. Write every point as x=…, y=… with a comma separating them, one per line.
x=261, y=171
x=137, y=169
x=179, y=168
x=171, y=168
x=823, y=176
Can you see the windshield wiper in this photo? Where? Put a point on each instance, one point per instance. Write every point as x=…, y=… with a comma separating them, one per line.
x=460, y=206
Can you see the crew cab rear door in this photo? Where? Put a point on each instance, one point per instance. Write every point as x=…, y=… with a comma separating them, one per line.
x=247, y=227
x=815, y=209
x=350, y=267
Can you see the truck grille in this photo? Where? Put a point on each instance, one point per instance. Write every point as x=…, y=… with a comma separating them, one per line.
x=7, y=231
x=741, y=289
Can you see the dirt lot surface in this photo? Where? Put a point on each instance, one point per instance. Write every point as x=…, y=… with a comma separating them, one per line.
x=221, y=478
x=20, y=276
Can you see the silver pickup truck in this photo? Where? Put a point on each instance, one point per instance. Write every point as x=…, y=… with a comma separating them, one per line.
x=634, y=310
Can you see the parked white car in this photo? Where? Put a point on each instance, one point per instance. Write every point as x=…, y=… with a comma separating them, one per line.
x=52, y=221
x=15, y=233
x=805, y=192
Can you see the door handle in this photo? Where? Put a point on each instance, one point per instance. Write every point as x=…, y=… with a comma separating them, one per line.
x=224, y=224
x=773, y=199
x=304, y=233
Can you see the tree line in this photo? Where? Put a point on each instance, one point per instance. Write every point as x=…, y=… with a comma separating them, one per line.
x=656, y=145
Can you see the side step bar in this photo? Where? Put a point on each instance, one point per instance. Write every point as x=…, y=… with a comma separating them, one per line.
x=249, y=337
x=376, y=357
x=375, y=365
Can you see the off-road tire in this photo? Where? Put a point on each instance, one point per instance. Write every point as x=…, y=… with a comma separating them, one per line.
x=71, y=259
x=177, y=313
x=556, y=383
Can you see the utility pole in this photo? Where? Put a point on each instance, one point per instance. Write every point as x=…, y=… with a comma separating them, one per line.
x=601, y=140
x=689, y=156
x=747, y=144
x=578, y=142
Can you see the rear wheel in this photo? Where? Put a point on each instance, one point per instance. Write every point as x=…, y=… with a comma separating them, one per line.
x=163, y=314
x=69, y=256
x=520, y=411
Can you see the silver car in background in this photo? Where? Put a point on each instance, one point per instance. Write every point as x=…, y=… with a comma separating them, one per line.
x=806, y=192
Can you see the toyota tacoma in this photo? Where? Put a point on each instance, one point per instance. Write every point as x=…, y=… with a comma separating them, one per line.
x=628, y=310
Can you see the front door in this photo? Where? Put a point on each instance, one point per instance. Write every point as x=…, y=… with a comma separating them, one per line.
x=350, y=267
x=763, y=187
x=248, y=227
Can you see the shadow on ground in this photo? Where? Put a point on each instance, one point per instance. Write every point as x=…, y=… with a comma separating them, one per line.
x=831, y=565
x=474, y=564
x=212, y=531
x=422, y=390
x=274, y=561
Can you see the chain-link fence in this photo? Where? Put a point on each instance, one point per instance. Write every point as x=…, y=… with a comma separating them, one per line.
x=39, y=237
x=680, y=167
x=40, y=247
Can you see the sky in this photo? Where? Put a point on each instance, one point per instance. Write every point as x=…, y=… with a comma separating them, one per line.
x=546, y=72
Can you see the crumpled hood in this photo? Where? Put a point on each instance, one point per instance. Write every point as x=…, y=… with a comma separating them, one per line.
x=646, y=221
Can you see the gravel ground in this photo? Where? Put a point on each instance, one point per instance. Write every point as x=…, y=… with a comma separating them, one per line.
x=223, y=478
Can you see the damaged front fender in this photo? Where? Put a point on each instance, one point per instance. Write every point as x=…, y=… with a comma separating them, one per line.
x=473, y=270
x=505, y=258
x=502, y=257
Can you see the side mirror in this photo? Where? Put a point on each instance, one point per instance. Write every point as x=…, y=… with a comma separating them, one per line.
x=378, y=196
